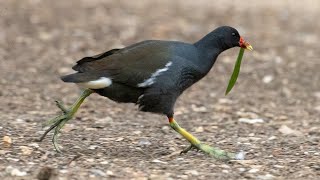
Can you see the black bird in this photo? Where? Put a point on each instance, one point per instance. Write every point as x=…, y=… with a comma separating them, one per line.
x=151, y=74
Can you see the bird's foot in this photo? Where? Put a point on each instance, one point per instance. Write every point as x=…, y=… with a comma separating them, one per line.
x=197, y=144
x=219, y=153
x=215, y=152
x=58, y=122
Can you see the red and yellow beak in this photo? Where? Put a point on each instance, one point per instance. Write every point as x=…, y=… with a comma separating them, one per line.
x=244, y=44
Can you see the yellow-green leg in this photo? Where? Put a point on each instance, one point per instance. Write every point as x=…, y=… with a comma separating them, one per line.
x=197, y=144
x=58, y=122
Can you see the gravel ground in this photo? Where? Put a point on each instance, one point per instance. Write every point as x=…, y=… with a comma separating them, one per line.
x=273, y=113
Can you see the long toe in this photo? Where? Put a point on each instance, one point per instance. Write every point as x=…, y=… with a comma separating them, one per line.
x=57, y=123
x=219, y=153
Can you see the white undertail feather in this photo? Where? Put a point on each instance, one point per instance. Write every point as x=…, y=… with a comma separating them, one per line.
x=100, y=83
x=152, y=79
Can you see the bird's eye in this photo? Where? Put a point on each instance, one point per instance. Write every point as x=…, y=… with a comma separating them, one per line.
x=233, y=34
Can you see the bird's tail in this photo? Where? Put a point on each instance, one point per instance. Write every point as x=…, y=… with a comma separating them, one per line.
x=79, y=77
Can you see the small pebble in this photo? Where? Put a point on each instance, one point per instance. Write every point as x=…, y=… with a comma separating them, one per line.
x=225, y=171
x=144, y=142
x=267, y=79
x=109, y=173
x=104, y=162
x=158, y=161
x=242, y=169
x=266, y=177
x=272, y=138
x=7, y=141
x=15, y=171
x=278, y=166
x=251, y=121
x=192, y=172
x=253, y=170
x=98, y=172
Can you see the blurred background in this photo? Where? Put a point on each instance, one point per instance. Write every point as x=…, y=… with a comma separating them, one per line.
x=272, y=113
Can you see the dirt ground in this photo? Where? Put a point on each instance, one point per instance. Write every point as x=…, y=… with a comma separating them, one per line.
x=273, y=113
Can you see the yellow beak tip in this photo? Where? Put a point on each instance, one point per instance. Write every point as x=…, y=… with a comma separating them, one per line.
x=250, y=48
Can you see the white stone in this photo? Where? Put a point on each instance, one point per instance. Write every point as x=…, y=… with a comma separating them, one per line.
x=272, y=138
x=192, y=172
x=251, y=121
x=110, y=173
x=253, y=170
x=267, y=79
x=288, y=131
x=240, y=155
x=158, y=161
x=278, y=166
x=242, y=169
x=266, y=177
x=98, y=172
x=15, y=172
x=104, y=162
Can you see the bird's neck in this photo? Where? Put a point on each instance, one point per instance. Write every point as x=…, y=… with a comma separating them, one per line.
x=209, y=48
x=212, y=44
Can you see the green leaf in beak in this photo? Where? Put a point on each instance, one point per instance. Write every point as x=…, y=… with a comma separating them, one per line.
x=235, y=72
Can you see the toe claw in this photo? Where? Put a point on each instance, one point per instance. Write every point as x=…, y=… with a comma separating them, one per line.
x=61, y=106
x=187, y=149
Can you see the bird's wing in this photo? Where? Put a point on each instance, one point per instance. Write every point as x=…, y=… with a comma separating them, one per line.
x=131, y=66
x=160, y=97
x=93, y=58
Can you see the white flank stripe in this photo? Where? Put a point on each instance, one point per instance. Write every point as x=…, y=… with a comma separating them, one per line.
x=139, y=98
x=97, y=84
x=152, y=79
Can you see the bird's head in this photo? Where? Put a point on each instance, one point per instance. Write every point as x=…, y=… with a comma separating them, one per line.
x=230, y=38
